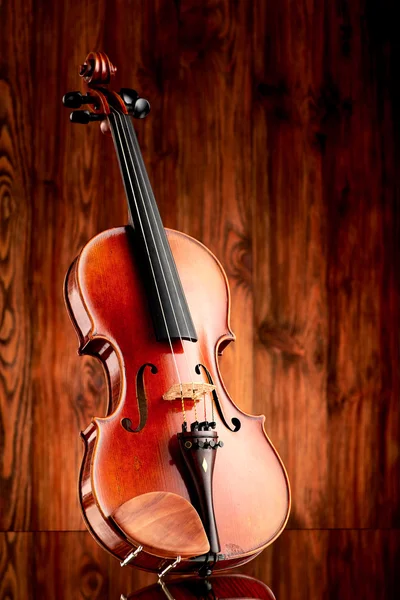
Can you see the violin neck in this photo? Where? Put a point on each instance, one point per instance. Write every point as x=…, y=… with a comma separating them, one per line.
x=168, y=305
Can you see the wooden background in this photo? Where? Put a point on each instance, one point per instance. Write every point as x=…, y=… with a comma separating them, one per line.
x=273, y=138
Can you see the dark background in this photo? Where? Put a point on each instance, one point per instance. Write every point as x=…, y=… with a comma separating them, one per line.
x=273, y=138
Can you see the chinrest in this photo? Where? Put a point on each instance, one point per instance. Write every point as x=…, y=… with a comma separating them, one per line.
x=165, y=524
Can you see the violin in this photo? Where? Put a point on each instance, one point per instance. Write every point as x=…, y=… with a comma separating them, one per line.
x=175, y=473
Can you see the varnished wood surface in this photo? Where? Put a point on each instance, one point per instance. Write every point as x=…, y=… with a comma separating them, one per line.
x=232, y=587
x=273, y=138
x=164, y=524
x=250, y=490
x=325, y=565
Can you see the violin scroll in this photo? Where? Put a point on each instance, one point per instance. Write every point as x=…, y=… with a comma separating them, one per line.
x=97, y=72
x=97, y=69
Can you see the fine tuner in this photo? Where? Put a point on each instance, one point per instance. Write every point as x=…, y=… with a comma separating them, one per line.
x=137, y=107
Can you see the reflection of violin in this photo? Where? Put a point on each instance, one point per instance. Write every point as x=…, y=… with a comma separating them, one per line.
x=232, y=587
x=175, y=469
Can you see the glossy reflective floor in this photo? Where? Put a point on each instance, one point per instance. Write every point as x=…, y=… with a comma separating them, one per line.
x=300, y=565
x=238, y=587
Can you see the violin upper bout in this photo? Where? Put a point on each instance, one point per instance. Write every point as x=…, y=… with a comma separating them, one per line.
x=75, y=306
x=78, y=291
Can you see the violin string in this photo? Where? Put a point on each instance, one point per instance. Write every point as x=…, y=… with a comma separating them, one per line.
x=162, y=241
x=147, y=248
x=122, y=120
x=146, y=188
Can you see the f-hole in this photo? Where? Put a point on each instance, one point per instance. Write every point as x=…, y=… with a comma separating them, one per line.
x=235, y=422
x=141, y=400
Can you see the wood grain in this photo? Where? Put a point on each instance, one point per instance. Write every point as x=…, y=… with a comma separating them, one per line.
x=149, y=519
x=327, y=264
x=274, y=139
x=66, y=205
x=62, y=565
x=331, y=564
x=362, y=279
x=15, y=276
x=16, y=565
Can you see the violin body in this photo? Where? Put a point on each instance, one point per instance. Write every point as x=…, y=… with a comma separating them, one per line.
x=108, y=306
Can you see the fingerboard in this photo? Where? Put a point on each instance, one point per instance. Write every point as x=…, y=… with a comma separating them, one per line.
x=167, y=302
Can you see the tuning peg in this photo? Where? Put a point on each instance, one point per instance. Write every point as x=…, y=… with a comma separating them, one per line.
x=76, y=99
x=142, y=108
x=137, y=107
x=129, y=97
x=84, y=117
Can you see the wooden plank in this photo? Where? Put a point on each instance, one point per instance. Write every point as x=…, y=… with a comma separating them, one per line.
x=62, y=565
x=295, y=566
x=363, y=265
x=125, y=580
x=363, y=564
x=331, y=564
x=289, y=229
x=68, y=199
x=16, y=565
x=70, y=565
x=325, y=308
x=15, y=277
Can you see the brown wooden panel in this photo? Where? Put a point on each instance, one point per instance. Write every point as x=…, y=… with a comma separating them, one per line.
x=273, y=138
x=363, y=273
x=68, y=198
x=291, y=317
x=363, y=564
x=69, y=565
x=332, y=564
x=16, y=565
x=15, y=278
x=62, y=565
x=126, y=580
x=295, y=566
x=325, y=309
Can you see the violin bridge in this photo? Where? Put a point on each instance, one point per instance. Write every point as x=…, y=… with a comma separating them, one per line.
x=188, y=391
